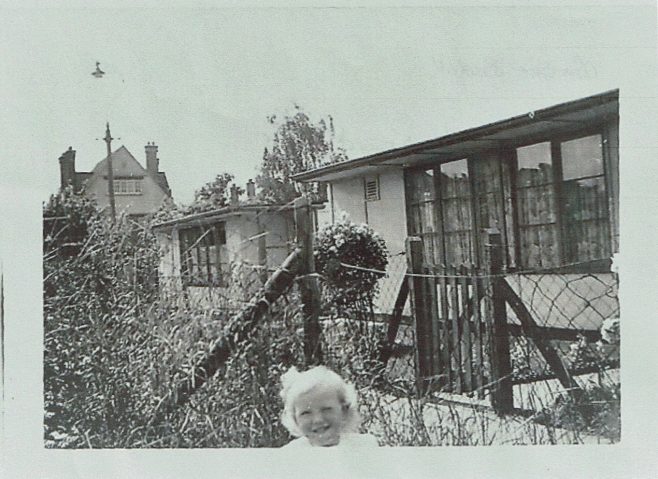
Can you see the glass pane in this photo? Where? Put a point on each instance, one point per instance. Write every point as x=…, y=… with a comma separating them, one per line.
x=201, y=252
x=582, y=157
x=458, y=247
x=415, y=220
x=456, y=205
x=535, y=166
x=457, y=214
x=538, y=246
x=585, y=200
x=486, y=173
x=221, y=233
x=491, y=211
x=588, y=241
x=421, y=189
x=536, y=205
x=422, y=185
x=427, y=223
x=454, y=179
x=586, y=227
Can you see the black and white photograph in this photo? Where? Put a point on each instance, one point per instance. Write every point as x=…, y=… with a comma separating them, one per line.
x=399, y=236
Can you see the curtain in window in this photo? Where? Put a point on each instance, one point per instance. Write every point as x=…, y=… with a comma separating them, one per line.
x=584, y=200
x=494, y=202
x=536, y=205
x=422, y=197
x=456, y=210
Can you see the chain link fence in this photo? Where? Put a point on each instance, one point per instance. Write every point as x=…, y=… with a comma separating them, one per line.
x=116, y=347
x=571, y=309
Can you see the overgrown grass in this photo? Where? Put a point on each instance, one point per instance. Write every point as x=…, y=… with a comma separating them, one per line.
x=115, y=348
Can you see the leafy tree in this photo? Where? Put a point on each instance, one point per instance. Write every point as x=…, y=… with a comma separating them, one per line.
x=211, y=196
x=168, y=210
x=66, y=219
x=298, y=145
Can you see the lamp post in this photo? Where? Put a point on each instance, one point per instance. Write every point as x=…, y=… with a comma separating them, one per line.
x=110, y=174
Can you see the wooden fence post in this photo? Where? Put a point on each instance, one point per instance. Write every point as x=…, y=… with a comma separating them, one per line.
x=236, y=330
x=386, y=350
x=309, y=285
x=533, y=331
x=502, y=398
x=262, y=250
x=421, y=311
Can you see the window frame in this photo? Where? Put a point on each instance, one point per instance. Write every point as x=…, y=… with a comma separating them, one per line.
x=195, y=241
x=507, y=153
x=130, y=186
x=556, y=139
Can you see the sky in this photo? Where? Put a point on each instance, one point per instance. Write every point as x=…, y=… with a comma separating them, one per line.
x=201, y=80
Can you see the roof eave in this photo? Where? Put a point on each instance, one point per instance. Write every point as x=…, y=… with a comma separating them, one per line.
x=226, y=212
x=488, y=129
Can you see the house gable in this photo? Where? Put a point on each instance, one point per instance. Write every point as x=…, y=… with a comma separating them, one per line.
x=124, y=164
x=143, y=193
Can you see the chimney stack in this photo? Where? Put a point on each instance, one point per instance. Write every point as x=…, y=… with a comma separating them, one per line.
x=234, y=200
x=251, y=190
x=152, y=161
x=67, y=168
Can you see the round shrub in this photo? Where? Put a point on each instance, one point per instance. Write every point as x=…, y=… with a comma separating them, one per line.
x=353, y=244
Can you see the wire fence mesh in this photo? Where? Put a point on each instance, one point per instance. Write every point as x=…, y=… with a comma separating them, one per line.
x=571, y=309
x=117, y=342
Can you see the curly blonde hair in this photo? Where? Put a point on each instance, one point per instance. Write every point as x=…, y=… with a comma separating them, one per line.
x=295, y=383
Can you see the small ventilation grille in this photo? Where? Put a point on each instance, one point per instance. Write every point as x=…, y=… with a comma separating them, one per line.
x=371, y=186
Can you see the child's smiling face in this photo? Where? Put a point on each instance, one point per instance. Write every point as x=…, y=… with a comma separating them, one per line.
x=320, y=415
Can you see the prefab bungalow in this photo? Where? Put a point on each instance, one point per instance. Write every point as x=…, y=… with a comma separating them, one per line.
x=547, y=180
x=219, y=258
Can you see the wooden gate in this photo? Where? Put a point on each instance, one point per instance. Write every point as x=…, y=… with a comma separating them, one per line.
x=461, y=325
x=462, y=335
x=452, y=329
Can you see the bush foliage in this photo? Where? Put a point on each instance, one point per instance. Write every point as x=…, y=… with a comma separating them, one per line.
x=114, y=349
x=345, y=242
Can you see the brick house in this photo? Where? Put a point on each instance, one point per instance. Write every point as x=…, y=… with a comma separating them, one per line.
x=138, y=191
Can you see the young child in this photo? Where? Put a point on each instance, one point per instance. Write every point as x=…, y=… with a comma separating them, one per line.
x=321, y=409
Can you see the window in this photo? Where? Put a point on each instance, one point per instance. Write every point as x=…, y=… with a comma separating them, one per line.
x=493, y=202
x=421, y=192
x=456, y=212
x=562, y=204
x=203, y=255
x=440, y=206
x=584, y=200
x=536, y=209
x=371, y=188
x=125, y=186
x=549, y=200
